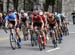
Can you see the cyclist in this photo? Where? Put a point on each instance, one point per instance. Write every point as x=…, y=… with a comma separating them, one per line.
x=37, y=21
x=11, y=21
x=24, y=21
x=43, y=16
x=64, y=23
x=52, y=24
x=59, y=26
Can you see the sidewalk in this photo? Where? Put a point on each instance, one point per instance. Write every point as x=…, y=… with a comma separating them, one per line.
x=71, y=22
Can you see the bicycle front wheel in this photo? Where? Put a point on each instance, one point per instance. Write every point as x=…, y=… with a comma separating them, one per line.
x=12, y=41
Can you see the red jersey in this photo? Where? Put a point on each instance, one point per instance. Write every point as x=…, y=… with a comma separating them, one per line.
x=36, y=18
x=43, y=18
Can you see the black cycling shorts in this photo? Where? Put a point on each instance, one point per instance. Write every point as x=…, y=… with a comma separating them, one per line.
x=51, y=25
x=12, y=22
x=38, y=24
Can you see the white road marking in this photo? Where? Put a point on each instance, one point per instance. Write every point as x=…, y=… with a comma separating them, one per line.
x=71, y=32
x=2, y=39
x=53, y=49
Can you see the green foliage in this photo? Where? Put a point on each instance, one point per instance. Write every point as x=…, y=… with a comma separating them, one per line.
x=7, y=5
x=15, y=4
x=50, y=2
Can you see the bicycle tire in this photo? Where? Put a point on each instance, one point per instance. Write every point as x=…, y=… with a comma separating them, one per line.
x=12, y=42
x=40, y=46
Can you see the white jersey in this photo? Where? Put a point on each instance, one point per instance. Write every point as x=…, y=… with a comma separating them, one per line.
x=25, y=14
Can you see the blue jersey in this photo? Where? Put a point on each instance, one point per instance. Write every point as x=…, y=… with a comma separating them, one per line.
x=11, y=17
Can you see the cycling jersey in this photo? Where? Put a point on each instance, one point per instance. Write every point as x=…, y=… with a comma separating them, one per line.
x=51, y=21
x=36, y=21
x=23, y=19
x=12, y=17
x=61, y=17
x=43, y=18
x=57, y=19
x=36, y=18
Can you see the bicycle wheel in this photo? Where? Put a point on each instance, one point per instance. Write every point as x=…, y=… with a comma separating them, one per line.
x=33, y=38
x=40, y=46
x=40, y=43
x=12, y=41
x=54, y=41
x=25, y=34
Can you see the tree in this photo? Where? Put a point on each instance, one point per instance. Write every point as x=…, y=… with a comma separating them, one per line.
x=53, y=3
x=1, y=6
x=28, y=5
x=49, y=2
x=15, y=2
x=24, y=4
x=8, y=1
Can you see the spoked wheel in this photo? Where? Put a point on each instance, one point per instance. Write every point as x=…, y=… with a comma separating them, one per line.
x=40, y=46
x=40, y=43
x=25, y=34
x=54, y=39
x=60, y=38
x=34, y=39
x=24, y=37
x=67, y=31
x=13, y=41
x=32, y=43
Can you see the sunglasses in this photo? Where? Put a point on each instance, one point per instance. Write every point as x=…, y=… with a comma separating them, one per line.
x=50, y=17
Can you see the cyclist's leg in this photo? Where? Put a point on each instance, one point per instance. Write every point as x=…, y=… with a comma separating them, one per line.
x=44, y=38
x=43, y=31
x=53, y=37
x=27, y=29
x=17, y=34
x=18, y=37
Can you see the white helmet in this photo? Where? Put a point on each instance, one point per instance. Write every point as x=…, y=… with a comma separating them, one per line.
x=25, y=14
x=41, y=13
x=15, y=12
x=22, y=11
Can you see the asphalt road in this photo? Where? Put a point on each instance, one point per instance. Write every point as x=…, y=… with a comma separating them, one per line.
x=66, y=48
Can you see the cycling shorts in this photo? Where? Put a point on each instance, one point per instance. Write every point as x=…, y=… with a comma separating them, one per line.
x=38, y=24
x=51, y=25
x=12, y=22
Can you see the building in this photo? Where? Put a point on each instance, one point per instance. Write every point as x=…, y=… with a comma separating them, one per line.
x=68, y=6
